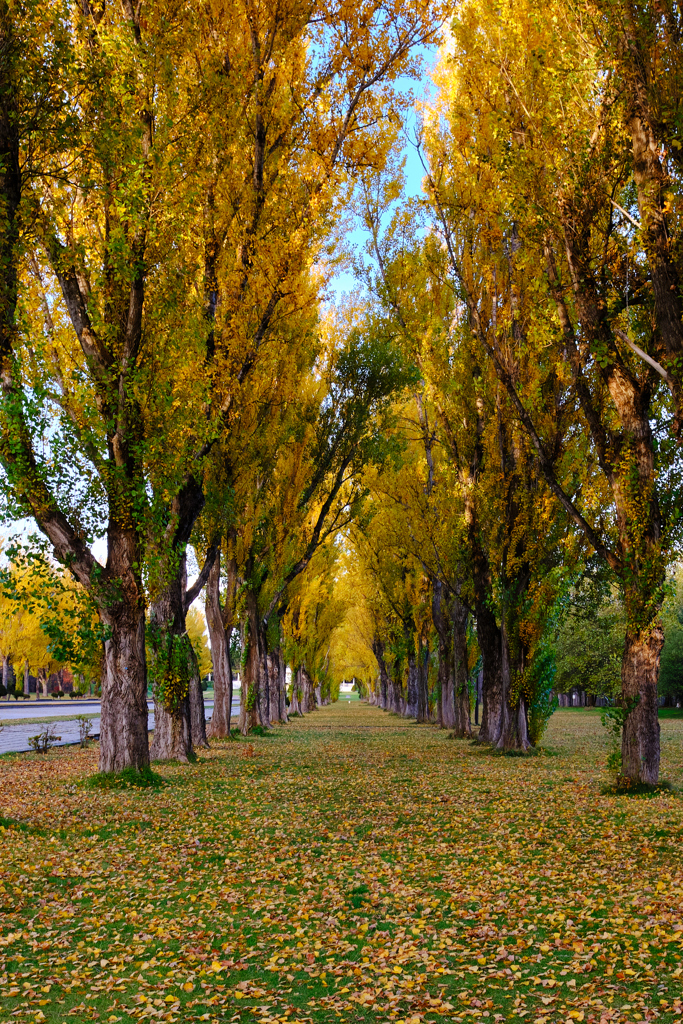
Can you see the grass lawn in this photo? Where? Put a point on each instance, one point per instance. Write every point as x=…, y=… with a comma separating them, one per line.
x=351, y=867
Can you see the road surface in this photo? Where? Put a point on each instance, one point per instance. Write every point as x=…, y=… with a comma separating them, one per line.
x=14, y=738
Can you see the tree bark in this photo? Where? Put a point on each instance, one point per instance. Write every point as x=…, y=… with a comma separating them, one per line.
x=488, y=636
x=197, y=706
x=282, y=689
x=412, y=702
x=294, y=704
x=461, y=694
x=307, y=701
x=444, y=630
x=640, y=749
x=275, y=700
x=172, y=740
x=396, y=687
x=123, y=721
x=513, y=731
x=219, y=635
x=383, y=696
x=423, y=686
x=252, y=698
x=490, y=645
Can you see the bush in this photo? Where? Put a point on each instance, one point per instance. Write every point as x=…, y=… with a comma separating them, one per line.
x=3, y=691
x=84, y=729
x=44, y=740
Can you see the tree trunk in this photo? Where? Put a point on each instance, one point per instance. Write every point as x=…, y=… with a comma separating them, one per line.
x=514, y=730
x=412, y=708
x=294, y=704
x=26, y=678
x=489, y=638
x=383, y=696
x=251, y=698
x=423, y=685
x=490, y=644
x=640, y=737
x=264, y=683
x=124, y=739
x=273, y=683
x=282, y=685
x=318, y=696
x=307, y=704
x=197, y=706
x=172, y=740
x=5, y=673
x=461, y=694
x=396, y=688
x=444, y=631
x=219, y=635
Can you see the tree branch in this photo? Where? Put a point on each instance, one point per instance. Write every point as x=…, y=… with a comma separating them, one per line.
x=193, y=592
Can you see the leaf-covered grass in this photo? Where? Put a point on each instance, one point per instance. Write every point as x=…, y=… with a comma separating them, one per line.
x=351, y=867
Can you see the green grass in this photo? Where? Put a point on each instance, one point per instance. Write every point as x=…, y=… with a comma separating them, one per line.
x=137, y=778
x=47, y=720
x=667, y=713
x=361, y=868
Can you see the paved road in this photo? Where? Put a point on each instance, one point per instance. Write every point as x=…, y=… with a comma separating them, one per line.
x=49, y=708
x=15, y=737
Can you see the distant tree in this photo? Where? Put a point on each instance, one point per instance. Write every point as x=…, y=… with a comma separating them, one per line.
x=671, y=665
x=589, y=648
x=196, y=630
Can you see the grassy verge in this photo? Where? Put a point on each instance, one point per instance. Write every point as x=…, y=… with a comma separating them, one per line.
x=349, y=867
x=48, y=719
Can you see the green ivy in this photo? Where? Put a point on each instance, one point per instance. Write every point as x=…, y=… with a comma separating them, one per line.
x=170, y=666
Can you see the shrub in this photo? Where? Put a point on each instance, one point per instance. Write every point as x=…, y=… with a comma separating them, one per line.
x=44, y=740
x=84, y=729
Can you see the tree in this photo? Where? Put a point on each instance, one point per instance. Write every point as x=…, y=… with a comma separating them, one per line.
x=533, y=186
x=48, y=620
x=88, y=237
x=589, y=648
x=119, y=311
x=315, y=488
x=311, y=91
x=671, y=670
x=196, y=631
x=495, y=547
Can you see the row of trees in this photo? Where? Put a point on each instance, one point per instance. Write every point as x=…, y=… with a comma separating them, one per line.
x=170, y=185
x=500, y=417
x=537, y=287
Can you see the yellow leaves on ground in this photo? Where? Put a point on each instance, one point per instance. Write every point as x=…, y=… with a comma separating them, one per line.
x=362, y=868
